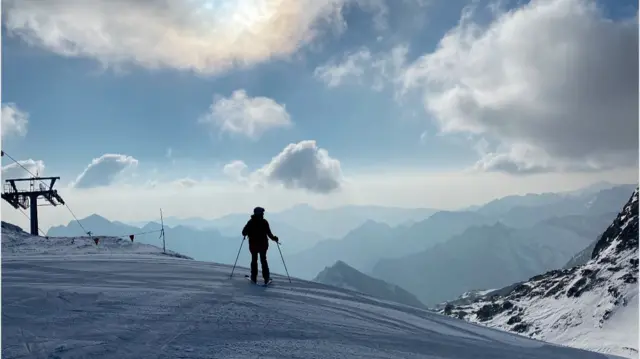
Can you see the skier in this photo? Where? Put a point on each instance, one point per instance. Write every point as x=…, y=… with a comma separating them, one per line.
x=259, y=232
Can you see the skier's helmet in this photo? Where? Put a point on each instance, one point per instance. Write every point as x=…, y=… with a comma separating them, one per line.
x=258, y=210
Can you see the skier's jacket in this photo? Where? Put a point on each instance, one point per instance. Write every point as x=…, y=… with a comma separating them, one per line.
x=259, y=232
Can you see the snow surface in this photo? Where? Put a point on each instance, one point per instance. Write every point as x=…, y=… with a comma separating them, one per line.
x=64, y=300
x=21, y=243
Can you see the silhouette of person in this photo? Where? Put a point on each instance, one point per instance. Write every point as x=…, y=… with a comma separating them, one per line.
x=259, y=232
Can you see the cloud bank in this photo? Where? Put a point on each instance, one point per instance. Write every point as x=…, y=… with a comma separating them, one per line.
x=206, y=37
x=553, y=86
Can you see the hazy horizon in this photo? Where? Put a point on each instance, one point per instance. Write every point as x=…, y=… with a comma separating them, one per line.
x=65, y=217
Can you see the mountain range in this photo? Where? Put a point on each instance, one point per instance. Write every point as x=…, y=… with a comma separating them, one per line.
x=487, y=256
x=586, y=213
x=364, y=246
x=593, y=305
x=313, y=223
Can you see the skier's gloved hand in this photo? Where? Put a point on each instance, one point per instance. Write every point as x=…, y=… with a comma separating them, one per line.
x=276, y=239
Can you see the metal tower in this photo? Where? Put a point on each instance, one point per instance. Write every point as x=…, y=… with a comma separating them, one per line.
x=29, y=198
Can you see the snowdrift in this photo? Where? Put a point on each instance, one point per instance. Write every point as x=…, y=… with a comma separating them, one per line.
x=64, y=300
x=16, y=241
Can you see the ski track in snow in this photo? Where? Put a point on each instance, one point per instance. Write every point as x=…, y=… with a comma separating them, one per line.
x=143, y=306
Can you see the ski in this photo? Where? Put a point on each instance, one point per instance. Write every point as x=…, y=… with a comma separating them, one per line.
x=258, y=284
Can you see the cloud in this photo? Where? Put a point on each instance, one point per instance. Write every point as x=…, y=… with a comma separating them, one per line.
x=199, y=35
x=15, y=170
x=235, y=170
x=14, y=121
x=104, y=170
x=303, y=165
x=554, y=84
x=187, y=182
x=335, y=73
x=249, y=116
x=364, y=68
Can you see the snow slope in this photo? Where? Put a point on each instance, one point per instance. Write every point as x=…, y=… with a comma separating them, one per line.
x=60, y=302
x=16, y=242
x=593, y=306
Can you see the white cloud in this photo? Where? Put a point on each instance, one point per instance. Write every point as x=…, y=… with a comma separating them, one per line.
x=104, y=170
x=203, y=36
x=249, y=116
x=353, y=65
x=15, y=170
x=553, y=83
x=364, y=68
x=14, y=121
x=235, y=170
x=303, y=165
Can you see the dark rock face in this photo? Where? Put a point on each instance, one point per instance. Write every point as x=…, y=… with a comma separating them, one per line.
x=625, y=227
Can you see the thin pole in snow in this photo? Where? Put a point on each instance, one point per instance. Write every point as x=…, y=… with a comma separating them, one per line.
x=164, y=249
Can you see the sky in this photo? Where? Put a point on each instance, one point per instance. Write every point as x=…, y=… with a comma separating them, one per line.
x=210, y=107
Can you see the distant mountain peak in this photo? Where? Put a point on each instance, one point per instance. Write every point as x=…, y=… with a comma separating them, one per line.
x=340, y=265
x=342, y=275
x=94, y=217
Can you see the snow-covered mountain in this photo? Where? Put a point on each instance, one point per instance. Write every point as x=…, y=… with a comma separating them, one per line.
x=342, y=275
x=592, y=306
x=62, y=301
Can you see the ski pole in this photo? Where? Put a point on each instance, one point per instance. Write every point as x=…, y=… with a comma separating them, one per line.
x=285, y=265
x=238, y=256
